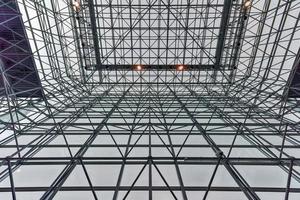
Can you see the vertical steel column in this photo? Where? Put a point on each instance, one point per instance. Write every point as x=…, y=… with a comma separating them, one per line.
x=288, y=185
x=95, y=37
x=9, y=93
x=222, y=35
x=12, y=185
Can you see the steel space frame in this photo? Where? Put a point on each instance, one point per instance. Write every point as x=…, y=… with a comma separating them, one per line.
x=146, y=130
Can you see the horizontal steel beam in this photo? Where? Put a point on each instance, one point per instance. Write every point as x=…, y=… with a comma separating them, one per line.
x=146, y=188
x=154, y=124
x=199, y=160
x=153, y=145
x=153, y=67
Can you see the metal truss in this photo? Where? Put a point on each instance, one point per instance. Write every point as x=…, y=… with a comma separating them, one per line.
x=224, y=127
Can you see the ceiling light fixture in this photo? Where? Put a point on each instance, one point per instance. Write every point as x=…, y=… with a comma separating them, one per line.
x=76, y=6
x=138, y=67
x=247, y=4
x=180, y=68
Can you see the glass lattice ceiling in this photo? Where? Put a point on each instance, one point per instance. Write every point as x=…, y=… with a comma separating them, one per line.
x=94, y=126
x=158, y=32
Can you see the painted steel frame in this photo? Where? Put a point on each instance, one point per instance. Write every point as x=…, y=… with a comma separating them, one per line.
x=246, y=101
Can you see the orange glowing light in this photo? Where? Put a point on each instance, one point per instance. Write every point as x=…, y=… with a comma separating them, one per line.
x=180, y=68
x=76, y=6
x=138, y=67
x=247, y=4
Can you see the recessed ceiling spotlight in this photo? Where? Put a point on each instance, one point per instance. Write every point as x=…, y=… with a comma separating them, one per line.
x=76, y=6
x=247, y=4
x=139, y=67
x=180, y=67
